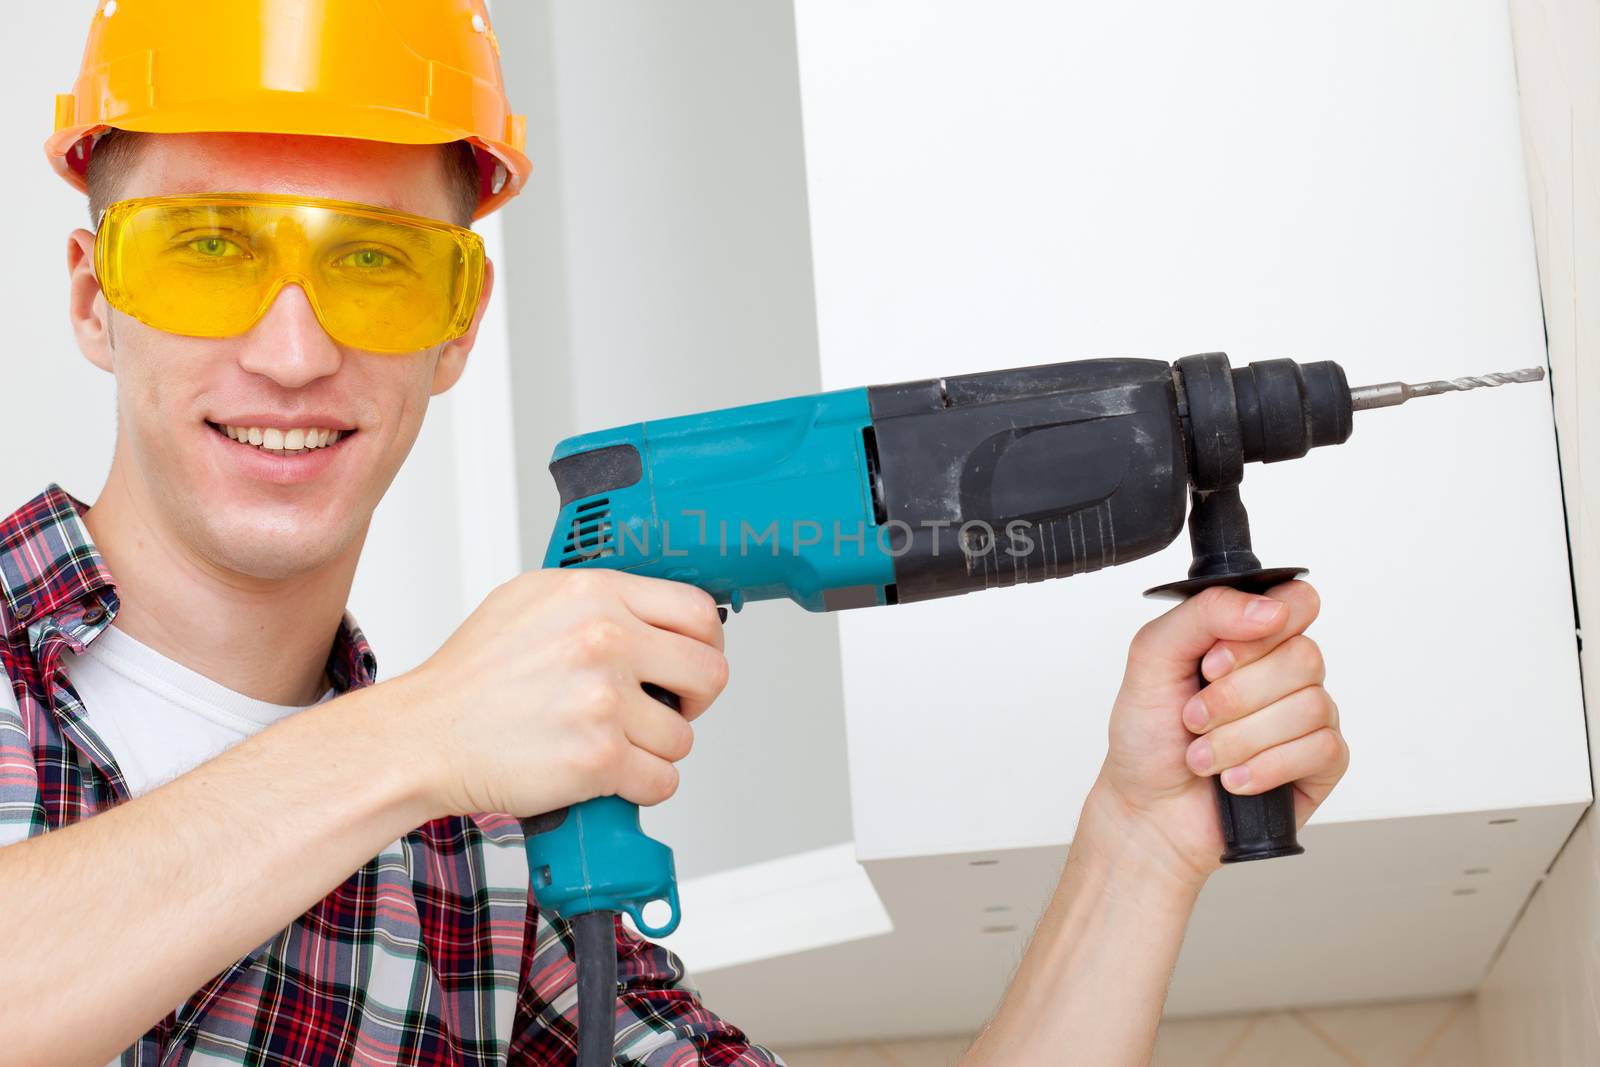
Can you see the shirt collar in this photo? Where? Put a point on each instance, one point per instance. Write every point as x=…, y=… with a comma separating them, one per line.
x=53, y=580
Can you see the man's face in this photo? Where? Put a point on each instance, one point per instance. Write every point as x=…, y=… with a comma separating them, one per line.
x=245, y=511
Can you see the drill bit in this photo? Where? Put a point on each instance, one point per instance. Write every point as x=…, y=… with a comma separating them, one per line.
x=1388, y=394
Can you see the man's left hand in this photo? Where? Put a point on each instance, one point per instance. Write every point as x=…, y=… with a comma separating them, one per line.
x=1262, y=719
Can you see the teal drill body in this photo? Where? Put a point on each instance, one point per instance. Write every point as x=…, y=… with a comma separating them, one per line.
x=743, y=503
x=762, y=502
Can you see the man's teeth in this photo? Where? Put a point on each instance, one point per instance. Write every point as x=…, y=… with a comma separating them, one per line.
x=272, y=439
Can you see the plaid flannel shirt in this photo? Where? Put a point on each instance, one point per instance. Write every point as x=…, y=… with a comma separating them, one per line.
x=432, y=953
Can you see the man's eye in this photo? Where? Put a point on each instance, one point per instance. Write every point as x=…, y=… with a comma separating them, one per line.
x=366, y=258
x=216, y=247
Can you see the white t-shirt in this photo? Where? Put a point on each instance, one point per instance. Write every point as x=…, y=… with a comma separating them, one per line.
x=158, y=717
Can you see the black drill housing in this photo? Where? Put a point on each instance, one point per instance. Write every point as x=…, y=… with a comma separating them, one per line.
x=1019, y=475
x=1087, y=458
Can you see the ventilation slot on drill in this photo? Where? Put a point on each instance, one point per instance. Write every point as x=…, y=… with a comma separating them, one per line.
x=869, y=445
x=591, y=533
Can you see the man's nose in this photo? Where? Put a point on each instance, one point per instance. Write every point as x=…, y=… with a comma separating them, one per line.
x=288, y=344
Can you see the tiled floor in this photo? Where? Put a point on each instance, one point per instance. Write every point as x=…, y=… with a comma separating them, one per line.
x=1428, y=1033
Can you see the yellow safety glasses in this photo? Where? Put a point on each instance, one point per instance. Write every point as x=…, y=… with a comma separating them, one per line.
x=210, y=264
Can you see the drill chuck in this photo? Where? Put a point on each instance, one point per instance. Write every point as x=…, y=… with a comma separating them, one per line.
x=1265, y=412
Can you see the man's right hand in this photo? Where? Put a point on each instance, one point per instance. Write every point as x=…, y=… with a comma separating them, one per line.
x=535, y=702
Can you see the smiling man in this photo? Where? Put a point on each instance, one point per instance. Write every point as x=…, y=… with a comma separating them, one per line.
x=224, y=839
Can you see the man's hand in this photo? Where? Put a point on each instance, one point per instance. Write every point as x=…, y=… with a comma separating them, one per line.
x=1262, y=719
x=1096, y=972
x=535, y=701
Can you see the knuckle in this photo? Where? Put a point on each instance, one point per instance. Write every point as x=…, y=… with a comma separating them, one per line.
x=597, y=758
x=586, y=581
x=596, y=639
x=610, y=749
x=535, y=584
x=510, y=594
x=599, y=699
x=1309, y=707
x=1145, y=639
x=1313, y=599
x=1306, y=656
x=1210, y=601
x=684, y=742
x=705, y=608
x=1328, y=745
x=587, y=761
x=665, y=785
x=716, y=672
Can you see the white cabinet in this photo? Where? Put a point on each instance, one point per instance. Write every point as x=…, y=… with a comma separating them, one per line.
x=991, y=185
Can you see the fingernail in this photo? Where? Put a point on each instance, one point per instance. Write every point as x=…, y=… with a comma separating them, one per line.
x=1234, y=777
x=722, y=614
x=1200, y=757
x=1217, y=662
x=1262, y=609
x=1195, y=715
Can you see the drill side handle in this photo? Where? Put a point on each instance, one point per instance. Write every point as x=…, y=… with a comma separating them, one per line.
x=1261, y=826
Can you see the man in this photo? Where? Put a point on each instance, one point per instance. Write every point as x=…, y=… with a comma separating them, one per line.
x=257, y=852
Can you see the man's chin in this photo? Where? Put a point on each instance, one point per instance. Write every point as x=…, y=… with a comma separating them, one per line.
x=271, y=550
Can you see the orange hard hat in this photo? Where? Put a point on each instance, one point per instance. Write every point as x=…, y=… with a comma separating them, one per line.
x=403, y=71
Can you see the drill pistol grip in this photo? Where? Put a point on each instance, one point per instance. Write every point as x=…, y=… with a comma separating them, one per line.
x=593, y=856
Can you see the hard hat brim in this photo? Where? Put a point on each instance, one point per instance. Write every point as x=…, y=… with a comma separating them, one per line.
x=294, y=113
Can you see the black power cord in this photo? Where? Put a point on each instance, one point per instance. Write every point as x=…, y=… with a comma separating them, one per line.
x=595, y=934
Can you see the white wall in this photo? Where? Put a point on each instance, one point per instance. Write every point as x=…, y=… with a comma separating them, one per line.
x=661, y=265
x=59, y=408
x=425, y=565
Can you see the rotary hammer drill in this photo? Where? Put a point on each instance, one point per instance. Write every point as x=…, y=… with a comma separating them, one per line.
x=898, y=493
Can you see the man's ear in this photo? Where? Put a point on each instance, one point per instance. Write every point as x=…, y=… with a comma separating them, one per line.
x=86, y=306
x=453, y=356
